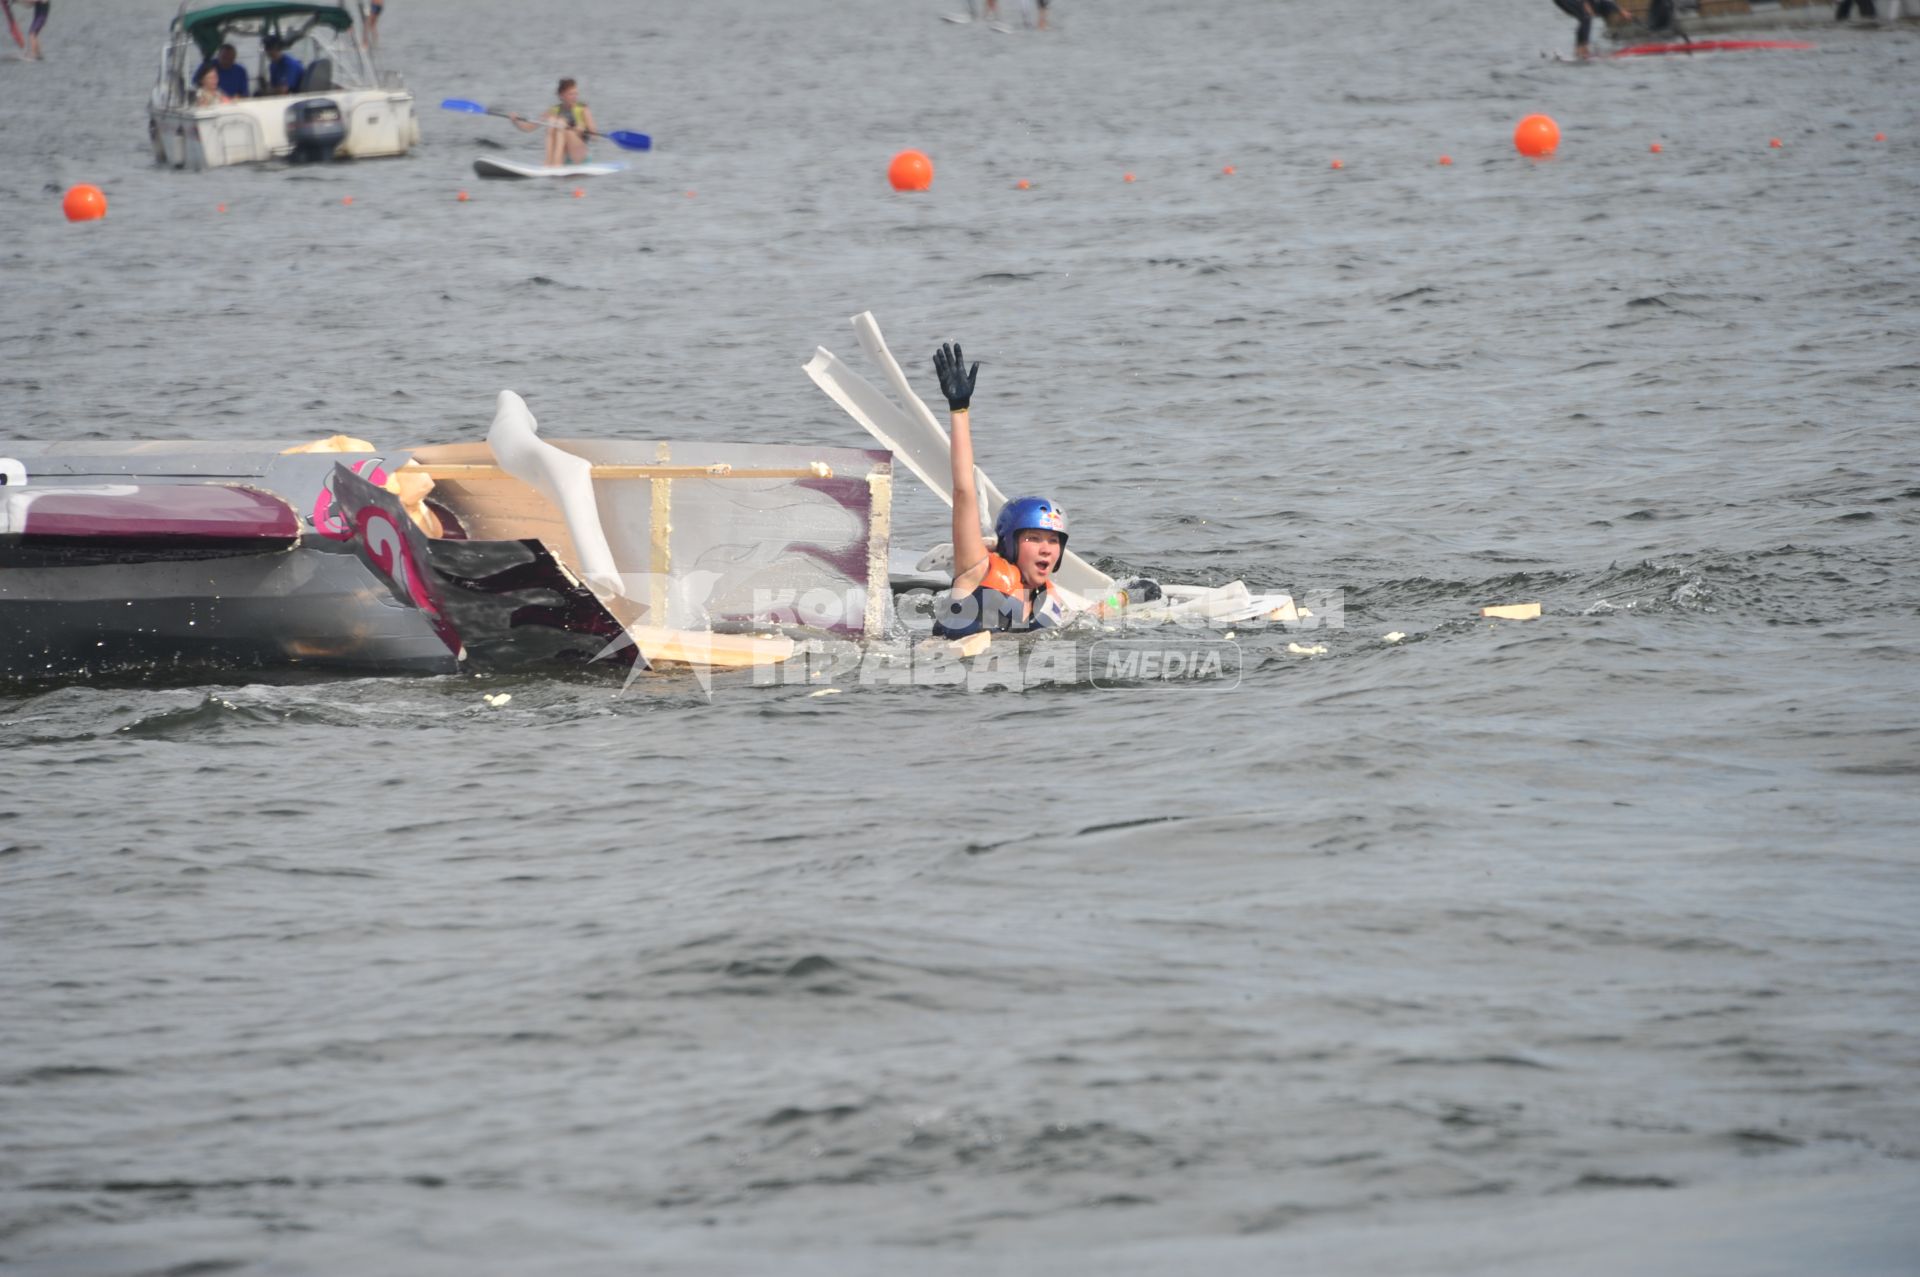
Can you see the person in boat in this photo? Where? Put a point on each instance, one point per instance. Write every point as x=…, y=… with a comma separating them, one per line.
x=209, y=93
x=1585, y=11
x=569, y=123
x=1010, y=585
x=284, y=71
x=373, y=24
x=233, y=76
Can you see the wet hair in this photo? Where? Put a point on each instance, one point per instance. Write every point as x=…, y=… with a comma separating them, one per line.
x=565, y=84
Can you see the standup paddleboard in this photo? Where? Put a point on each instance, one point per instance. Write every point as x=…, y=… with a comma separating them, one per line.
x=488, y=166
x=1708, y=46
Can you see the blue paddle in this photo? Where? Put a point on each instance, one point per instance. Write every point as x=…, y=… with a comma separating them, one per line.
x=620, y=138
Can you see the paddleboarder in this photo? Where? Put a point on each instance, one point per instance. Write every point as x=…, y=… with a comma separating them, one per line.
x=569, y=122
x=1586, y=11
x=1009, y=586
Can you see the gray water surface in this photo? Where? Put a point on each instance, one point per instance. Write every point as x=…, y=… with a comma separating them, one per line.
x=1578, y=945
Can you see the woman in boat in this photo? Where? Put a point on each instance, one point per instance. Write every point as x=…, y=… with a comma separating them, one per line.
x=209, y=93
x=1010, y=585
x=569, y=123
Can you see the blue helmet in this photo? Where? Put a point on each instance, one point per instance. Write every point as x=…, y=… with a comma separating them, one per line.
x=1021, y=513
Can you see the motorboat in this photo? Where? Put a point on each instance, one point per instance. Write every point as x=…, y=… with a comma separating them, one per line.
x=346, y=106
x=171, y=561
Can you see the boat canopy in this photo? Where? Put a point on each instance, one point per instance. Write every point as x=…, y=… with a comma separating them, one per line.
x=209, y=24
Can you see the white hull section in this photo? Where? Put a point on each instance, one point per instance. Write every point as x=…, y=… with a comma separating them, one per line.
x=380, y=122
x=488, y=166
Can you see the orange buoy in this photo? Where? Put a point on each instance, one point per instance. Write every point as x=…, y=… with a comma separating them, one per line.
x=689, y=194
x=1536, y=137
x=1337, y=164
x=84, y=203
x=1127, y=178
x=1654, y=148
x=910, y=171
x=1023, y=184
x=1228, y=170
x=579, y=192
x=346, y=199
x=1879, y=137
x=1446, y=159
x=1775, y=142
x=219, y=208
x=462, y=197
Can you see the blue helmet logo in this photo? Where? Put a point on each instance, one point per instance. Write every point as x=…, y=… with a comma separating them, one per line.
x=1023, y=513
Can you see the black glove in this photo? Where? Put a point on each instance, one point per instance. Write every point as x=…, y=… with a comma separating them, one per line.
x=956, y=379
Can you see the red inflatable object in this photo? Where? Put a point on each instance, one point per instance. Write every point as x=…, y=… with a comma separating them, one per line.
x=1708, y=46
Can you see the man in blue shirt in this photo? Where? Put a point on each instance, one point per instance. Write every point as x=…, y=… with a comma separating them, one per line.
x=233, y=76
x=284, y=71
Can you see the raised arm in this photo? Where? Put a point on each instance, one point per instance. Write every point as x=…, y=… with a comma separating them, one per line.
x=969, y=547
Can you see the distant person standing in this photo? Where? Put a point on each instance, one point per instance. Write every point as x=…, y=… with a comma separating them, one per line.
x=373, y=23
x=1585, y=11
x=40, y=8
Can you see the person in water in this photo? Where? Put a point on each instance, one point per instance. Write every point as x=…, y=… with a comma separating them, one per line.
x=284, y=71
x=1585, y=11
x=1010, y=585
x=569, y=123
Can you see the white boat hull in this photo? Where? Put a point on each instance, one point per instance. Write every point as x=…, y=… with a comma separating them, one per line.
x=380, y=122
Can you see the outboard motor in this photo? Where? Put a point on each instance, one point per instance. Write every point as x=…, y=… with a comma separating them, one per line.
x=316, y=128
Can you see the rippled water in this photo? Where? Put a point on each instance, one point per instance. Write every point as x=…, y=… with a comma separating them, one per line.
x=1578, y=945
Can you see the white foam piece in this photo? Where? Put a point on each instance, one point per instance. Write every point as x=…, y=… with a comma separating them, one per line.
x=560, y=477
